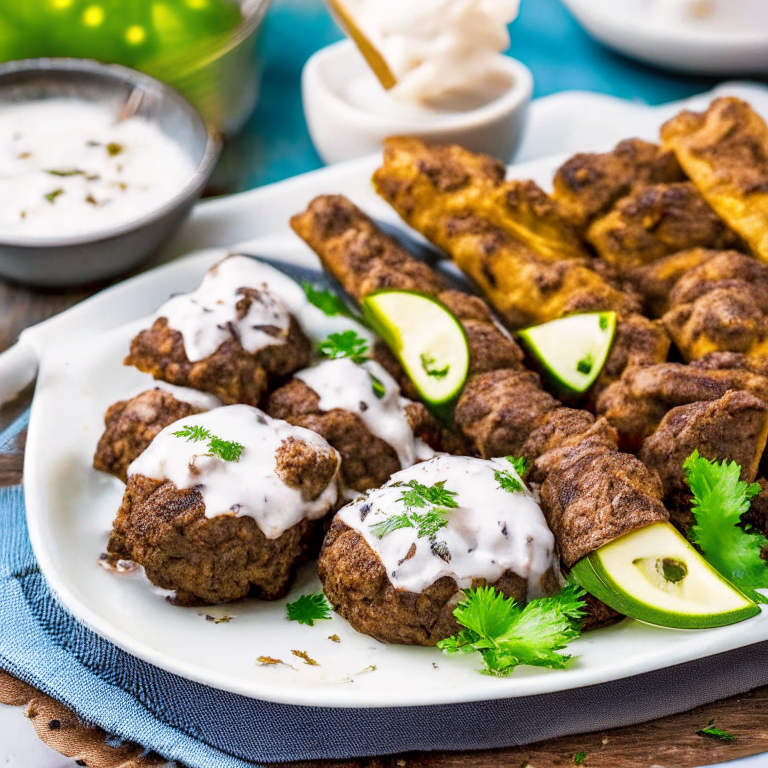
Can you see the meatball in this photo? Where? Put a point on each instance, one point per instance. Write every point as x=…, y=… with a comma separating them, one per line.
x=396, y=572
x=232, y=337
x=131, y=425
x=217, y=527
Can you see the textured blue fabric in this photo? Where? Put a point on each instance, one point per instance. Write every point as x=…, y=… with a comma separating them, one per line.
x=206, y=728
x=275, y=143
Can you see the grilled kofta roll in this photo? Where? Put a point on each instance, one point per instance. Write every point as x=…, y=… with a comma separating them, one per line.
x=131, y=425
x=233, y=337
x=395, y=561
x=226, y=504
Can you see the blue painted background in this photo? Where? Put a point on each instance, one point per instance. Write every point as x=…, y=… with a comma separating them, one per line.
x=275, y=144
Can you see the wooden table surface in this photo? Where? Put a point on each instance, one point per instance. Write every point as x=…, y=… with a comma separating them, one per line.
x=672, y=742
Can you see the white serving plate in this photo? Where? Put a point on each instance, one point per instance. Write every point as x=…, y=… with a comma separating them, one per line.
x=700, y=47
x=70, y=507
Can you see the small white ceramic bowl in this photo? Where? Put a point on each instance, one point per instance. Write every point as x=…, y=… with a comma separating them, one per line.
x=346, y=119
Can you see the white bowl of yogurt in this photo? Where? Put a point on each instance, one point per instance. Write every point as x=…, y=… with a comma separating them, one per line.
x=99, y=165
x=350, y=114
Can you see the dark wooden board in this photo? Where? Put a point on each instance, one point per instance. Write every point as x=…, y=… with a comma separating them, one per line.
x=672, y=742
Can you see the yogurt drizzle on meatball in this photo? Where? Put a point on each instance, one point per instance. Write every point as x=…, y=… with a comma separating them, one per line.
x=250, y=486
x=488, y=532
x=344, y=384
x=209, y=316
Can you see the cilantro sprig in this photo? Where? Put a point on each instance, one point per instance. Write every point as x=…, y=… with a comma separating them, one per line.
x=720, y=498
x=227, y=450
x=507, y=635
x=309, y=608
x=328, y=302
x=419, y=495
x=347, y=344
x=507, y=481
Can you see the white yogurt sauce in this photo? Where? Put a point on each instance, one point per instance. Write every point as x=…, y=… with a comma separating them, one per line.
x=491, y=531
x=436, y=47
x=717, y=16
x=208, y=316
x=344, y=384
x=68, y=167
x=246, y=487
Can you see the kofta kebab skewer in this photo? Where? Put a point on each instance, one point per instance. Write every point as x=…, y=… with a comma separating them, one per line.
x=591, y=492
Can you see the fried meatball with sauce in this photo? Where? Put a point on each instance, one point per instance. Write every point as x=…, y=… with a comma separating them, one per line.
x=233, y=337
x=131, y=425
x=216, y=527
x=400, y=584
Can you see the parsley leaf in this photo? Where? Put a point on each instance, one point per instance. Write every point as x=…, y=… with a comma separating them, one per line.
x=507, y=635
x=347, y=344
x=507, y=481
x=394, y=523
x=327, y=302
x=430, y=522
x=420, y=495
x=309, y=608
x=193, y=433
x=227, y=450
x=716, y=733
x=720, y=499
x=429, y=364
x=579, y=758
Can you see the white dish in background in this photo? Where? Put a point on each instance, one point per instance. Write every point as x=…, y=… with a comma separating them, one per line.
x=349, y=114
x=732, y=39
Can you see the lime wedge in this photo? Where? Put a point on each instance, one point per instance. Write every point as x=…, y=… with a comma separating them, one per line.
x=573, y=349
x=376, y=61
x=655, y=576
x=428, y=341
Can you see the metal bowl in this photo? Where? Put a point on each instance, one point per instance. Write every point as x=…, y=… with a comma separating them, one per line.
x=223, y=83
x=79, y=259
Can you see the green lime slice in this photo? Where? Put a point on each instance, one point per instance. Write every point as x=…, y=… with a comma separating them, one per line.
x=655, y=576
x=573, y=349
x=426, y=338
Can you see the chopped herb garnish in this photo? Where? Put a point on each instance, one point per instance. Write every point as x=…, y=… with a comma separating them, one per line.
x=716, y=733
x=429, y=364
x=327, y=302
x=520, y=463
x=347, y=344
x=420, y=495
x=113, y=148
x=226, y=450
x=579, y=758
x=394, y=523
x=720, y=498
x=309, y=608
x=225, y=619
x=51, y=196
x=585, y=365
x=603, y=321
x=507, y=635
x=334, y=638
x=430, y=522
x=66, y=172
x=378, y=386
x=91, y=200
x=305, y=656
x=508, y=482
x=268, y=660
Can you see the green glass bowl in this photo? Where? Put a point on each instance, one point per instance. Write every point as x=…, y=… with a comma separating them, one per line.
x=224, y=81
